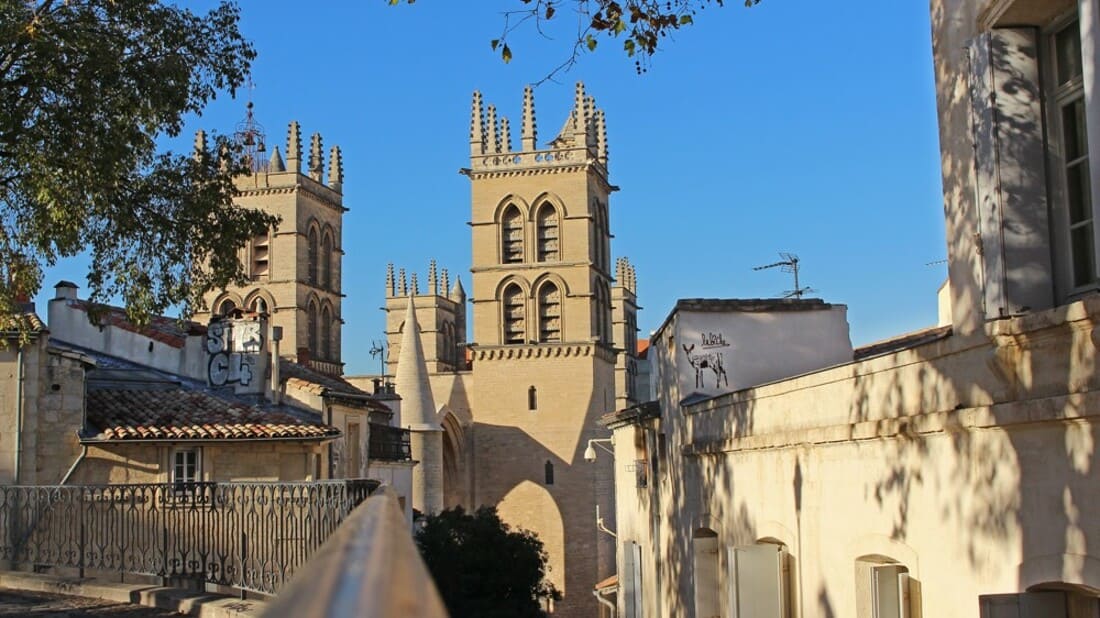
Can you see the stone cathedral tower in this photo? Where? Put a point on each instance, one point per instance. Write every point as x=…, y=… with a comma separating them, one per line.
x=294, y=269
x=552, y=339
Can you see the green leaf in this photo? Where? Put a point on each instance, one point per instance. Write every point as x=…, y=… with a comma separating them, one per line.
x=628, y=45
x=494, y=43
x=506, y=54
x=591, y=42
x=685, y=20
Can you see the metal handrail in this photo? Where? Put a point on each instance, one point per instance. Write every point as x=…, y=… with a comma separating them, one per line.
x=369, y=568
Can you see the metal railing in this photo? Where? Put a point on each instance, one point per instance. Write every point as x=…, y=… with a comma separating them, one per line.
x=389, y=443
x=251, y=536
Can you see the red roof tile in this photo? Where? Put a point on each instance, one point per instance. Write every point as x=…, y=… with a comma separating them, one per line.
x=178, y=414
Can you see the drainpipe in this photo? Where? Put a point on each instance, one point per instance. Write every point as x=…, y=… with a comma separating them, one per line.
x=603, y=600
x=79, y=458
x=276, y=336
x=18, y=414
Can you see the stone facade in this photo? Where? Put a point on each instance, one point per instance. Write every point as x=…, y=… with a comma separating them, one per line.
x=947, y=472
x=518, y=401
x=295, y=268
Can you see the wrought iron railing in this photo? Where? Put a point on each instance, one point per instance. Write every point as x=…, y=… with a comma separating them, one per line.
x=251, y=536
x=389, y=443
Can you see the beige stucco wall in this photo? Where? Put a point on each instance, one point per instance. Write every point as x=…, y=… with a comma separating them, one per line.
x=971, y=461
x=221, y=462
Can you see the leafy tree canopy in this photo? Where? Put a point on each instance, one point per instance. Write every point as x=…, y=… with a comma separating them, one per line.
x=639, y=24
x=87, y=87
x=481, y=567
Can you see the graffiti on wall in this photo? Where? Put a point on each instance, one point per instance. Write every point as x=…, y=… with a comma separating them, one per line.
x=708, y=359
x=233, y=348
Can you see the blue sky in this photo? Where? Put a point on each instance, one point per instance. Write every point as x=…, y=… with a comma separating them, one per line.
x=795, y=125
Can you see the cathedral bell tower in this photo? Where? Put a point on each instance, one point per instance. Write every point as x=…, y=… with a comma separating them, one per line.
x=544, y=347
x=294, y=270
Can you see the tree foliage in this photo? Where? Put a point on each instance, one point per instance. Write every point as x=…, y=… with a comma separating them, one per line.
x=640, y=24
x=481, y=567
x=87, y=88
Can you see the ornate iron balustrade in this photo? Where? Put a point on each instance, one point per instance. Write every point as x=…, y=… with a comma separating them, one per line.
x=251, y=536
x=389, y=443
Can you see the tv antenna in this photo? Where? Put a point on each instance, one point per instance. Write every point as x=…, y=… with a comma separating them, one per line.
x=789, y=264
x=377, y=350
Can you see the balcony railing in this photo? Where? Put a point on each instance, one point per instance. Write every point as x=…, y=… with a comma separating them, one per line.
x=251, y=536
x=389, y=443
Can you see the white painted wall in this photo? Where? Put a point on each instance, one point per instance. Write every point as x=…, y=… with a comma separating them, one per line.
x=719, y=352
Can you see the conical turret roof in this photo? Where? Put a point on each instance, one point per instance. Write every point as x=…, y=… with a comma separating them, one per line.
x=417, y=405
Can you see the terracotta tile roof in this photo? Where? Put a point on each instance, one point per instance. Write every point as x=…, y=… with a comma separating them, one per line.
x=169, y=331
x=305, y=379
x=179, y=414
x=643, y=348
x=24, y=322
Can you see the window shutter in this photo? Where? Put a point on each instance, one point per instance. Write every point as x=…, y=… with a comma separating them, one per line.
x=1009, y=166
x=627, y=580
x=639, y=610
x=757, y=583
x=889, y=591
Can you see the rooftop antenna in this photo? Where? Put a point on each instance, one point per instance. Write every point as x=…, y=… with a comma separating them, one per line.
x=250, y=137
x=377, y=350
x=789, y=264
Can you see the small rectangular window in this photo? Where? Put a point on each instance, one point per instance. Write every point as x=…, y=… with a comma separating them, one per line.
x=185, y=466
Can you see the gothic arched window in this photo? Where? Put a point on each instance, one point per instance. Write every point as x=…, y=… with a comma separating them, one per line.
x=549, y=313
x=311, y=327
x=227, y=307
x=549, y=247
x=511, y=236
x=311, y=257
x=326, y=333
x=326, y=260
x=515, y=314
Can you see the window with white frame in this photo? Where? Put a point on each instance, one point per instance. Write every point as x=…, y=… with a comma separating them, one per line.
x=758, y=579
x=1068, y=131
x=186, y=466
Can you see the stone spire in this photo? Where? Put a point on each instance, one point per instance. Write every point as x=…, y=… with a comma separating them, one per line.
x=275, y=164
x=389, y=280
x=492, y=131
x=433, y=279
x=446, y=285
x=601, y=137
x=580, y=116
x=200, y=144
x=457, y=293
x=414, y=286
x=335, y=169
x=402, y=286
x=477, y=127
x=316, y=159
x=417, y=405
x=529, y=137
x=505, y=136
x=294, y=148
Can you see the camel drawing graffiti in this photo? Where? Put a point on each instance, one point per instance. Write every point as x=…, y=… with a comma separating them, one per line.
x=700, y=362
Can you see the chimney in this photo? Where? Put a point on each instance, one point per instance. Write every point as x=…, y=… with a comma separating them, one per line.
x=65, y=289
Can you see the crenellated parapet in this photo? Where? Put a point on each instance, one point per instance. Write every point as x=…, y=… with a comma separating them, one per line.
x=625, y=276
x=582, y=142
x=272, y=171
x=439, y=284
